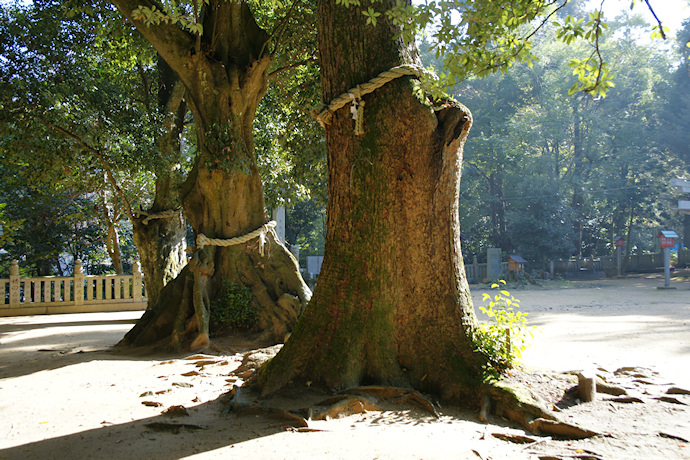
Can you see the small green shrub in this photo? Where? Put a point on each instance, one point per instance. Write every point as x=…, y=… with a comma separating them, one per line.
x=504, y=338
x=234, y=307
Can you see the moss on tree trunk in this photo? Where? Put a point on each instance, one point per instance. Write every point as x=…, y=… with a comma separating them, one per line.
x=224, y=72
x=392, y=304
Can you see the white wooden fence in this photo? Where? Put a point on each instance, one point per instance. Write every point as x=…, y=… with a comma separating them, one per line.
x=71, y=294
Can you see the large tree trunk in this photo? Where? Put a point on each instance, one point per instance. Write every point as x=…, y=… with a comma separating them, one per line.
x=392, y=305
x=224, y=72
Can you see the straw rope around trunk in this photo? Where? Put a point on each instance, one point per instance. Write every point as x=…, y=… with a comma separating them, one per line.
x=202, y=240
x=324, y=113
x=159, y=215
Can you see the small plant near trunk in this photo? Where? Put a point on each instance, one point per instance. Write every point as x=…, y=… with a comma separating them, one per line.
x=234, y=307
x=505, y=337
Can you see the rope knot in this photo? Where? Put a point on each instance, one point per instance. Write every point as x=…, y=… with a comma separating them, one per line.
x=324, y=114
x=160, y=215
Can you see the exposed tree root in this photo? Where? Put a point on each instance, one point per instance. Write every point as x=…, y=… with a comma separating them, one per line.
x=396, y=396
x=514, y=438
x=677, y=391
x=342, y=406
x=240, y=405
x=520, y=405
x=560, y=429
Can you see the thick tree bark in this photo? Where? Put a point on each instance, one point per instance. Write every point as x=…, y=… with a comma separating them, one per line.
x=161, y=246
x=392, y=304
x=224, y=72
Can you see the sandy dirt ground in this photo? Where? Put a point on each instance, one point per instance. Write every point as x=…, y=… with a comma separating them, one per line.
x=65, y=394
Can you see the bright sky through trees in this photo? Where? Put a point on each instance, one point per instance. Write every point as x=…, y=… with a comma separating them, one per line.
x=671, y=13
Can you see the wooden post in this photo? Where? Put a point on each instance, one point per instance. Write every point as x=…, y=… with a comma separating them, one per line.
x=667, y=267
x=136, y=281
x=14, y=284
x=78, y=283
x=587, y=386
x=475, y=269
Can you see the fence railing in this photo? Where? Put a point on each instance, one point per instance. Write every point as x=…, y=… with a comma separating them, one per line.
x=71, y=294
x=608, y=264
x=477, y=272
x=598, y=265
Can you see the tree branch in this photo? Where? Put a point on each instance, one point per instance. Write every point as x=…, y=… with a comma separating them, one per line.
x=661, y=28
x=292, y=66
x=527, y=37
x=145, y=84
x=171, y=42
x=280, y=29
x=102, y=159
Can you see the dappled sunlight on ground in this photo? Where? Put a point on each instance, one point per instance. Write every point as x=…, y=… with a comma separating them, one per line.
x=67, y=394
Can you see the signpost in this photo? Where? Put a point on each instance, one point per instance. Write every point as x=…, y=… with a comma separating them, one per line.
x=620, y=242
x=667, y=241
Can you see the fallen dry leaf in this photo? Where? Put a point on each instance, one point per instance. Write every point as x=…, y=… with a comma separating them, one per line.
x=182, y=384
x=151, y=403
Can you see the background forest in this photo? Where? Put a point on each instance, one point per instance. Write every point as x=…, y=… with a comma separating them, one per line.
x=546, y=174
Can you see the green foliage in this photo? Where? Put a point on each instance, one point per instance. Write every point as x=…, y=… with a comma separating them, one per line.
x=8, y=227
x=550, y=175
x=371, y=15
x=478, y=38
x=504, y=338
x=290, y=145
x=234, y=307
x=173, y=12
x=592, y=77
x=306, y=226
x=541, y=225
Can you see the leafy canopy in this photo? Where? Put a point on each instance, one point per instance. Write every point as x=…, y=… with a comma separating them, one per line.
x=480, y=37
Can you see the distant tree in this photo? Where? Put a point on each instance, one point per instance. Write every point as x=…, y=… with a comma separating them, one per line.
x=540, y=221
x=104, y=126
x=676, y=115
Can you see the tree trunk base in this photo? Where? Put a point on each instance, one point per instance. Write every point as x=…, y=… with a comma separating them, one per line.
x=180, y=318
